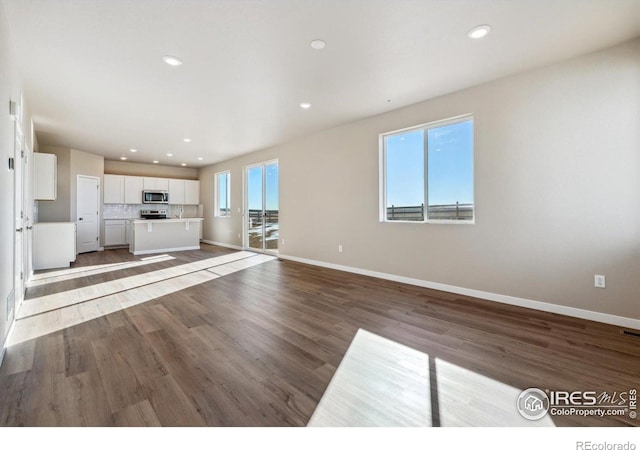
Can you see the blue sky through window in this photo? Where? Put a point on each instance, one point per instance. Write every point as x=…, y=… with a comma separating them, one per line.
x=271, y=196
x=405, y=169
x=450, y=166
x=222, y=192
x=255, y=187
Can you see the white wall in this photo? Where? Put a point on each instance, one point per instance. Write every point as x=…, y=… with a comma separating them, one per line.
x=557, y=190
x=10, y=89
x=149, y=170
x=83, y=163
x=58, y=210
x=70, y=164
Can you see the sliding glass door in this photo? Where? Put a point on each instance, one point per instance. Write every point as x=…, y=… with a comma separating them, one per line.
x=262, y=207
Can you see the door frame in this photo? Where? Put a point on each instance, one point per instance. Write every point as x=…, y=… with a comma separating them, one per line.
x=19, y=266
x=245, y=204
x=99, y=215
x=29, y=202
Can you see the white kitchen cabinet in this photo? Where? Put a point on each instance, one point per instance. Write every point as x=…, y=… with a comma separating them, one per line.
x=127, y=232
x=191, y=192
x=164, y=235
x=54, y=244
x=45, y=176
x=176, y=192
x=115, y=232
x=124, y=189
x=155, y=184
x=184, y=192
x=133, y=190
x=162, y=184
x=113, y=186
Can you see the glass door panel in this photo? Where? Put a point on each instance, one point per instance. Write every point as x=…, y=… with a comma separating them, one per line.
x=255, y=202
x=262, y=213
x=271, y=222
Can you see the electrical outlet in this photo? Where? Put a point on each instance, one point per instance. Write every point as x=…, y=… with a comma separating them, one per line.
x=599, y=281
x=238, y=235
x=340, y=248
x=282, y=241
x=238, y=209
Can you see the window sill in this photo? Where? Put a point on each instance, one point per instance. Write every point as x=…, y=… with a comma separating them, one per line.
x=433, y=222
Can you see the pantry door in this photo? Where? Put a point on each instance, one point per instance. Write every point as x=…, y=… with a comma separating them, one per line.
x=88, y=213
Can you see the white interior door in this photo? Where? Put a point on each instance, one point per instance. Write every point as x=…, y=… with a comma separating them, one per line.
x=88, y=209
x=27, y=182
x=18, y=214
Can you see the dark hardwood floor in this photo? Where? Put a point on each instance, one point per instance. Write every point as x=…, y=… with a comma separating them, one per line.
x=258, y=348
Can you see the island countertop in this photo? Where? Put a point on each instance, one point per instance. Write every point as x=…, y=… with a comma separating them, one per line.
x=164, y=235
x=184, y=219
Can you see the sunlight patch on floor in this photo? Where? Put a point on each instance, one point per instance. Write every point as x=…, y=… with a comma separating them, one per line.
x=79, y=272
x=383, y=383
x=114, y=296
x=39, y=305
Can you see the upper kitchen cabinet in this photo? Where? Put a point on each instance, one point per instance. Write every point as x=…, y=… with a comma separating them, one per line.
x=113, y=186
x=184, y=192
x=191, y=192
x=125, y=189
x=45, y=176
x=176, y=192
x=155, y=184
x=133, y=190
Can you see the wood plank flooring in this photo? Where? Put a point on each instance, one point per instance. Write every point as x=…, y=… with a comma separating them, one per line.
x=259, y=346
x=383, y=383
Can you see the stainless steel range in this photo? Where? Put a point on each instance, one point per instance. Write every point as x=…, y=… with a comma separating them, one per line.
x=153, y=213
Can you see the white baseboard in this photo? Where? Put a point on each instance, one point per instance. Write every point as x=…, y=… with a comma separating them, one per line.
x=625, y=322
x=165, y=250
x=222, y=244
x=6, y=340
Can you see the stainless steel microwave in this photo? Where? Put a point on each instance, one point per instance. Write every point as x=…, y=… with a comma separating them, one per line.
x=161, y=197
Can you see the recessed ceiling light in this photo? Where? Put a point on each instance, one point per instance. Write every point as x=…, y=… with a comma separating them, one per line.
x=305, y=105
x=124, y=158
x=187, y=140
x=169, y=155
x=133, y=150
x=478, y=32
x=155, y=161
x=172, y=60
x=200, y=158
x=318, y=44
x=183, y=164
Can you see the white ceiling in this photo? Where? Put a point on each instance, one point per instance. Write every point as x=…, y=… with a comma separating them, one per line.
x=95, y=80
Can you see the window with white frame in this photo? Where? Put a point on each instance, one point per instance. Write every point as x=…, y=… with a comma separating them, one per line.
x=223, y=194
x=427, y=173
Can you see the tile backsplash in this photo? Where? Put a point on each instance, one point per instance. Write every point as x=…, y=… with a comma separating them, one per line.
x=133, y=211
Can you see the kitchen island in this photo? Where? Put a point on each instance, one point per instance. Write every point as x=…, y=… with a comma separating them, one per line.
x=164, y=235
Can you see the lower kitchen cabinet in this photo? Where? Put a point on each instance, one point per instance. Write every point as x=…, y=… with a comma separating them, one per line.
x=115, y=232
x=54, y=244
